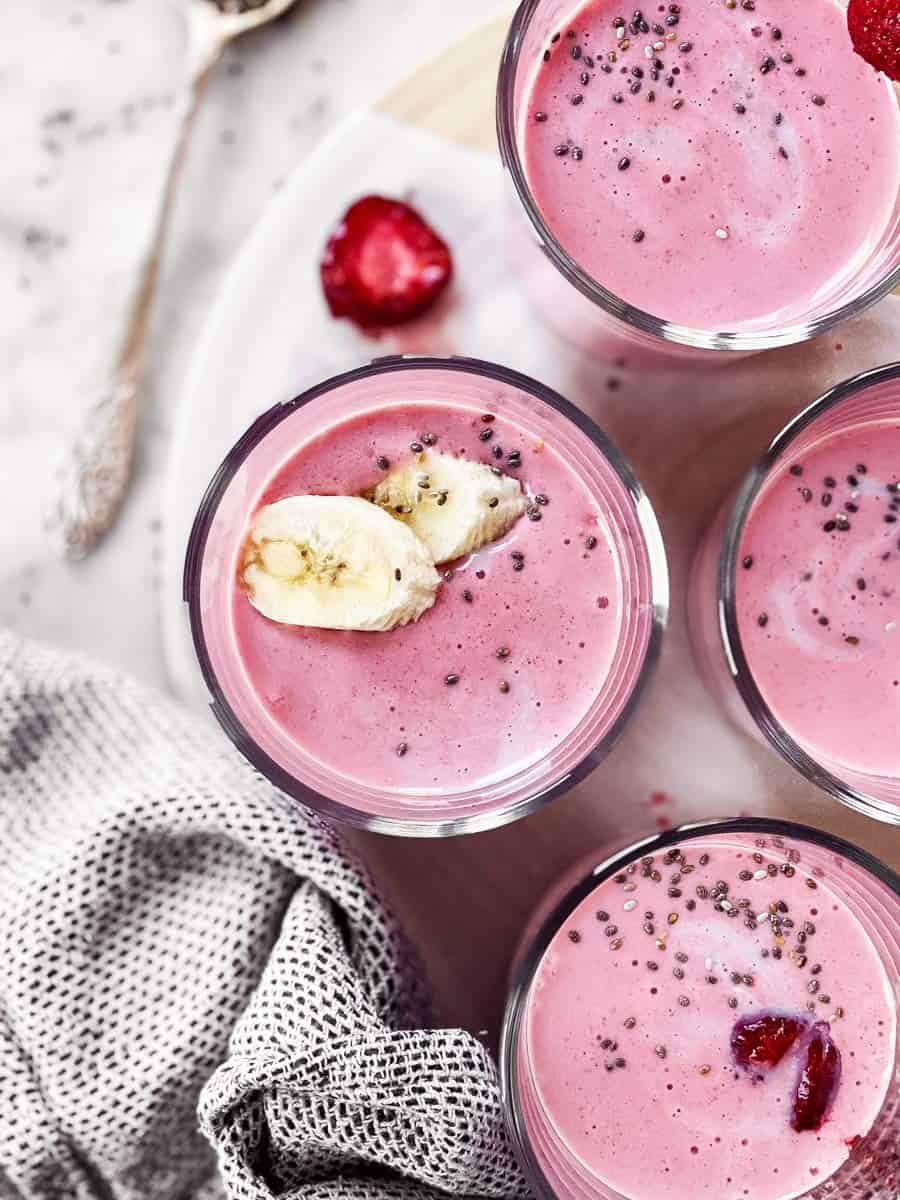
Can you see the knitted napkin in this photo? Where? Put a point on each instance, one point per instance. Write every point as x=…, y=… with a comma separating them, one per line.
x=192, y=968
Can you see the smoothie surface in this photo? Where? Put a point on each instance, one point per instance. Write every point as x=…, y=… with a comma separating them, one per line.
x=818, y=598
x=528, y=625
x=630, y=1044
x=734, y=179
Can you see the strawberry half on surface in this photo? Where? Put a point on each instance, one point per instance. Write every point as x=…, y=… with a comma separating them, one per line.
x=383, y=264
x=818, y=1082
x=761, y=1040
x=875, y=31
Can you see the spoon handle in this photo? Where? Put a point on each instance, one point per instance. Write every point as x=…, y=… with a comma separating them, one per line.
x=94, y=475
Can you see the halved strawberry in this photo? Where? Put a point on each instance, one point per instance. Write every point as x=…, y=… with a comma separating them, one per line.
x=820, y=1075
x=875, y=30
x=763, y=1039
x=383, y=264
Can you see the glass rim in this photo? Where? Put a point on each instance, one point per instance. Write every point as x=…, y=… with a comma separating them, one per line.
x=730, y=341
x=525, y=968
x=412, y=826
x=726, y=600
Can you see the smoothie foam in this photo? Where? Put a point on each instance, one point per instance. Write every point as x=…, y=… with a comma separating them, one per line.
x=818, y=597
x=631, y=1081
x=390, y=688
x=737, y=178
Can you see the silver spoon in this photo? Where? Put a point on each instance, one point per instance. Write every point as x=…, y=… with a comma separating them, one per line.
x=94, y=476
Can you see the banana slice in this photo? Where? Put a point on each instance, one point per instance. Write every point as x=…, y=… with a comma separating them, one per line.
x=452, y=504
x=336, y=562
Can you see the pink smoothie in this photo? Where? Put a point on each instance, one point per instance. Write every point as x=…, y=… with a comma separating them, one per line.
x=539, y=634
x=737, y=178
x=818, y=598
x=632, y=1081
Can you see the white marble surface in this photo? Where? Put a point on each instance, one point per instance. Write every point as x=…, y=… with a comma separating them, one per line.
x=91, y=90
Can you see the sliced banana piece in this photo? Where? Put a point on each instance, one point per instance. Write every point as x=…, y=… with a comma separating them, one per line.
x=336, y=562
x=452, y=504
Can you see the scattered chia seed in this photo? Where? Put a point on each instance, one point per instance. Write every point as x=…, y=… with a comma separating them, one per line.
x=638, y=235
x=451, y=680
x=574, y=936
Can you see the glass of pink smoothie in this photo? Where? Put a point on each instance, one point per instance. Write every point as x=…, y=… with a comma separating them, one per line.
x=698, y=181
x=710, y=1014
x=524, y=673
x=794, y=602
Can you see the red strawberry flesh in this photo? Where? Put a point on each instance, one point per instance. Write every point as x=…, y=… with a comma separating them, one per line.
x=763, y=1039
x=820, y=1076
x=875, y=30
x=383, y=264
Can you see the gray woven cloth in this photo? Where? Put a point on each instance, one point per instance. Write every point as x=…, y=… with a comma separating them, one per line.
x=193, y=969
